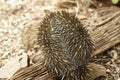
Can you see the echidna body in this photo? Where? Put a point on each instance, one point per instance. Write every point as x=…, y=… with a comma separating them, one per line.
x=66, y=45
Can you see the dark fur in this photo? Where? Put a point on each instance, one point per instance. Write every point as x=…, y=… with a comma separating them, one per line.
x=67, y=45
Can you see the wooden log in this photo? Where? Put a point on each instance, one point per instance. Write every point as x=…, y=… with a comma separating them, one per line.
x=39, y=72
x=35, y=72
x=107, y=33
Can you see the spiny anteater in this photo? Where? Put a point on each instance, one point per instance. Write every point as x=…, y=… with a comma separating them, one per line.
x=66, y=46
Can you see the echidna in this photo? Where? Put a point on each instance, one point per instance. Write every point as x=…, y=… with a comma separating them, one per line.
x=66, y=45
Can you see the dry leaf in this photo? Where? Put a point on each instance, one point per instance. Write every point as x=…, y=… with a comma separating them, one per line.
x=13, y=65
